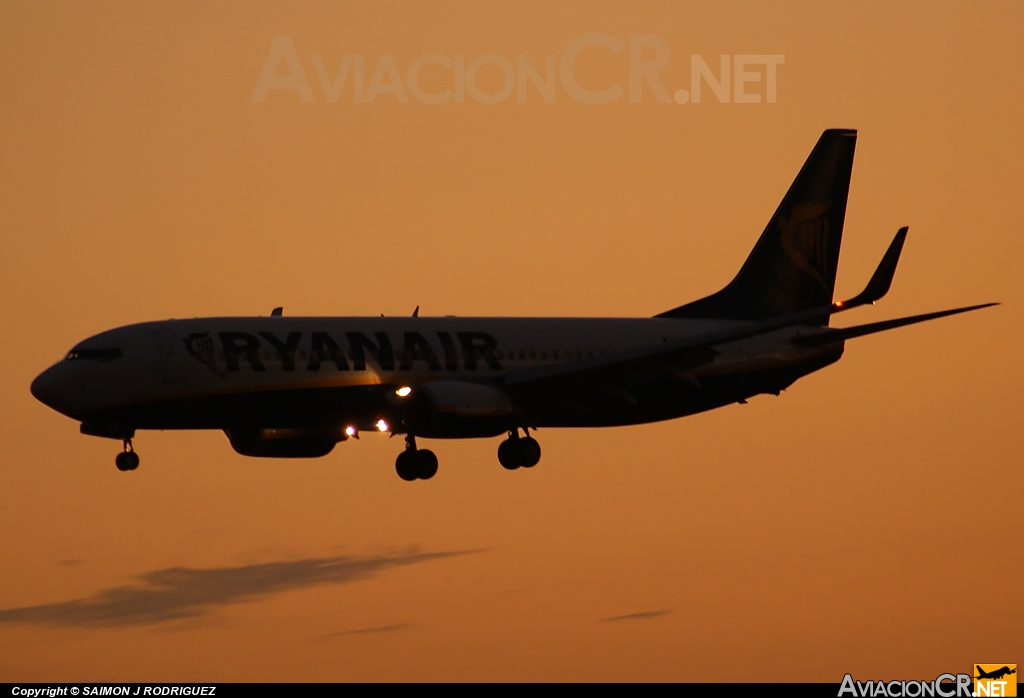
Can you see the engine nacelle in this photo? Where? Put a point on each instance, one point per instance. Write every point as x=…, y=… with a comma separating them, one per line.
x=459, y=409
x=283, y=443
x=465, y=399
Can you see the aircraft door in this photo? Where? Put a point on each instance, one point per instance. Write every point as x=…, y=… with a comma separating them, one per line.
x=172, y=363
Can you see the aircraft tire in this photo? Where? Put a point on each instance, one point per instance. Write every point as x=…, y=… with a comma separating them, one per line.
x=509, y=454
x=529, y=451
x=127, y=460
x=426, y=464
x=406, y=465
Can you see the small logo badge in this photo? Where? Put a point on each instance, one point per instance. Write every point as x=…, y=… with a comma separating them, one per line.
x=995, y=680
x=200, y=347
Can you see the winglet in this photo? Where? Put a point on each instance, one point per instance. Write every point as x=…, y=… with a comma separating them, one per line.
x=276, y=312
x=881, y=280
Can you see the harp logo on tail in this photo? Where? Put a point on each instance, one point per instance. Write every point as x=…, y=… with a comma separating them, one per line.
x=805, y=240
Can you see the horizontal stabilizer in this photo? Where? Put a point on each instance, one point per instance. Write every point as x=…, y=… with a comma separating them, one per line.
x=820, y=339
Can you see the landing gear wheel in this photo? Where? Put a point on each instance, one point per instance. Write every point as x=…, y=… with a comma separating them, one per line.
x=515, y=452
x=529, y=451
x=127, y=459
x=426, y=463
x=508, y=454
x=414, y=464
x=406, y=465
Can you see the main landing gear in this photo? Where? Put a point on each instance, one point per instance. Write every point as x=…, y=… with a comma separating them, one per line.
x=127, y=459
x=517, y=452
x=414, y=464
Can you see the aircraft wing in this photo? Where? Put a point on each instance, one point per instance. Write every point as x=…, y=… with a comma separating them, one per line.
x=610, y=381
x=617, y=378
x=689, y=349
x=685, y=348
x=611, y=376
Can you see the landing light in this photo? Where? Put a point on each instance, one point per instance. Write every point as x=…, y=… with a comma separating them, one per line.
x=382, y=425
x=350, y=431
x=403, y=391
x=838, y=304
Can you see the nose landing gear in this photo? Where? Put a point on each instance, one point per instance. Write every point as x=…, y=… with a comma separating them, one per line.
x=127, y=459
x=414, y=464
x=515, y=452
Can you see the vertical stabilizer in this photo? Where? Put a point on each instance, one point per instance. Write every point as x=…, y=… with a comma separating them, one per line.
x=793, y=265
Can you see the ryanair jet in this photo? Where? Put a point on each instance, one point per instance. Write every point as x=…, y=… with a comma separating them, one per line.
x=293, y=387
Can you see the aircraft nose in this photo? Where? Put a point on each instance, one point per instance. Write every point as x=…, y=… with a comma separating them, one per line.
x=46, y=388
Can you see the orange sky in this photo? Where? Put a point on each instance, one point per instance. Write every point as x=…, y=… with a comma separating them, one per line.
x=863, y=522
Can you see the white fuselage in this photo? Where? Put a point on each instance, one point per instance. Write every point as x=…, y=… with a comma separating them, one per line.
x=191, y=360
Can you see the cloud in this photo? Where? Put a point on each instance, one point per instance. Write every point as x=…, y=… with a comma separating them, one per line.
x=183, y=592
x=637, y=616
x=370, y=631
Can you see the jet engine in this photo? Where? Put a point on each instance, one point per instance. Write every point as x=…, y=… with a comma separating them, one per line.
x=459, y=409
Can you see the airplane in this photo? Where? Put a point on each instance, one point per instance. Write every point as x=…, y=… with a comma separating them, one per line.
x=996, y=674
x=294, y=387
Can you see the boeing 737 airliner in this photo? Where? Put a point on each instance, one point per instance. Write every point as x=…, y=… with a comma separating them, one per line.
x=293, y=387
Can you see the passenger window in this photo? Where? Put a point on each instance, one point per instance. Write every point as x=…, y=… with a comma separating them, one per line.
x=544, y=355
x=533, y=355
x=554, y=355
x=499, y=354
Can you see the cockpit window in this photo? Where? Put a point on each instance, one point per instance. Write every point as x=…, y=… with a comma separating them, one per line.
x=105, y=354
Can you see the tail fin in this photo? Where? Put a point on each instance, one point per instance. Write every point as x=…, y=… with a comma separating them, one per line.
x=793, y=265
